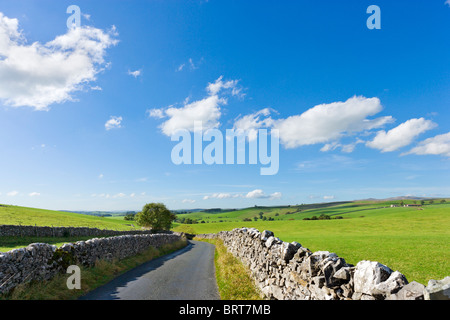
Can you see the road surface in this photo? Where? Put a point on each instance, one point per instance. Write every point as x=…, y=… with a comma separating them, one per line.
x=187, y=274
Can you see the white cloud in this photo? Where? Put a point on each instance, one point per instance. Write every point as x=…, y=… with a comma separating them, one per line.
x=438, y=145
x=400, y=136
x=275, y=195
x=252, y=122
x=188, y=201
x=181, y=67
x=206, y=110
x=327, y=123
x=34, y=194
x=218, y=196
x=259, y=194
x=119, y=195
x=254, y=194
x=38, y=75
x=156, y=113
x=191, y=64
x=349, y=148
x=219, y=85
x=100, y=176
x=328, y=197
x=135, y=73
x=12, y=193
x=330, y=146
x=447, y=2
x=346, y=148
x=113, y=123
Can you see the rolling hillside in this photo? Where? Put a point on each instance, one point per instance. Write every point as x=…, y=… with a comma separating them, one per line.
x=346, y=209
x=16, y=215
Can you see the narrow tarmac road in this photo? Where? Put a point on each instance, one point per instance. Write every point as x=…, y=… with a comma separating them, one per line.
x=187, y=274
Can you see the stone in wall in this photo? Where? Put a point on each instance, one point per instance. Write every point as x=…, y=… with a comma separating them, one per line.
x=411, y=291
x=438, y=289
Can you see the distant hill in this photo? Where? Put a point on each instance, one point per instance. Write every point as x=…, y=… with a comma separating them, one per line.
x=399, y=198
x=218, y=210
x=100, y=213
x=410, y=198
x=185, y=211
x=337, y=209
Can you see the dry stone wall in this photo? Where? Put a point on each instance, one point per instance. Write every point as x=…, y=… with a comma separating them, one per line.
x=41, y=261
x=37, y=231
x=288, y=271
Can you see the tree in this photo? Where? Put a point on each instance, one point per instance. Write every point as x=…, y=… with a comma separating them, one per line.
x=130, y=216
x=155, y=216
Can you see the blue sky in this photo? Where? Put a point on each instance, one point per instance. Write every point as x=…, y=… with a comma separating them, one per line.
x=86, y=116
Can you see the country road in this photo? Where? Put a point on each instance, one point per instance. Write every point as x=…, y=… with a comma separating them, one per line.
x=187, y=274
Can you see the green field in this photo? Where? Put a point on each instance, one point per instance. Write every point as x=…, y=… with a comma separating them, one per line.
x=347, y=209
x=14, y=215
x=413, y=241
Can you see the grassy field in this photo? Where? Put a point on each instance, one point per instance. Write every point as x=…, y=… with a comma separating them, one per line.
x=348, y=209
x=15, y=215
x=412, y=241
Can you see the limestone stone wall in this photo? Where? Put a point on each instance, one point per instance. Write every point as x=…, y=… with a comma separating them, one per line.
x=289, y=271
x=37, y=231
x=41, y=261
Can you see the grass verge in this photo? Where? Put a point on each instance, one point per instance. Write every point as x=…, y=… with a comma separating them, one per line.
x=91, y=278
x=233, y=279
